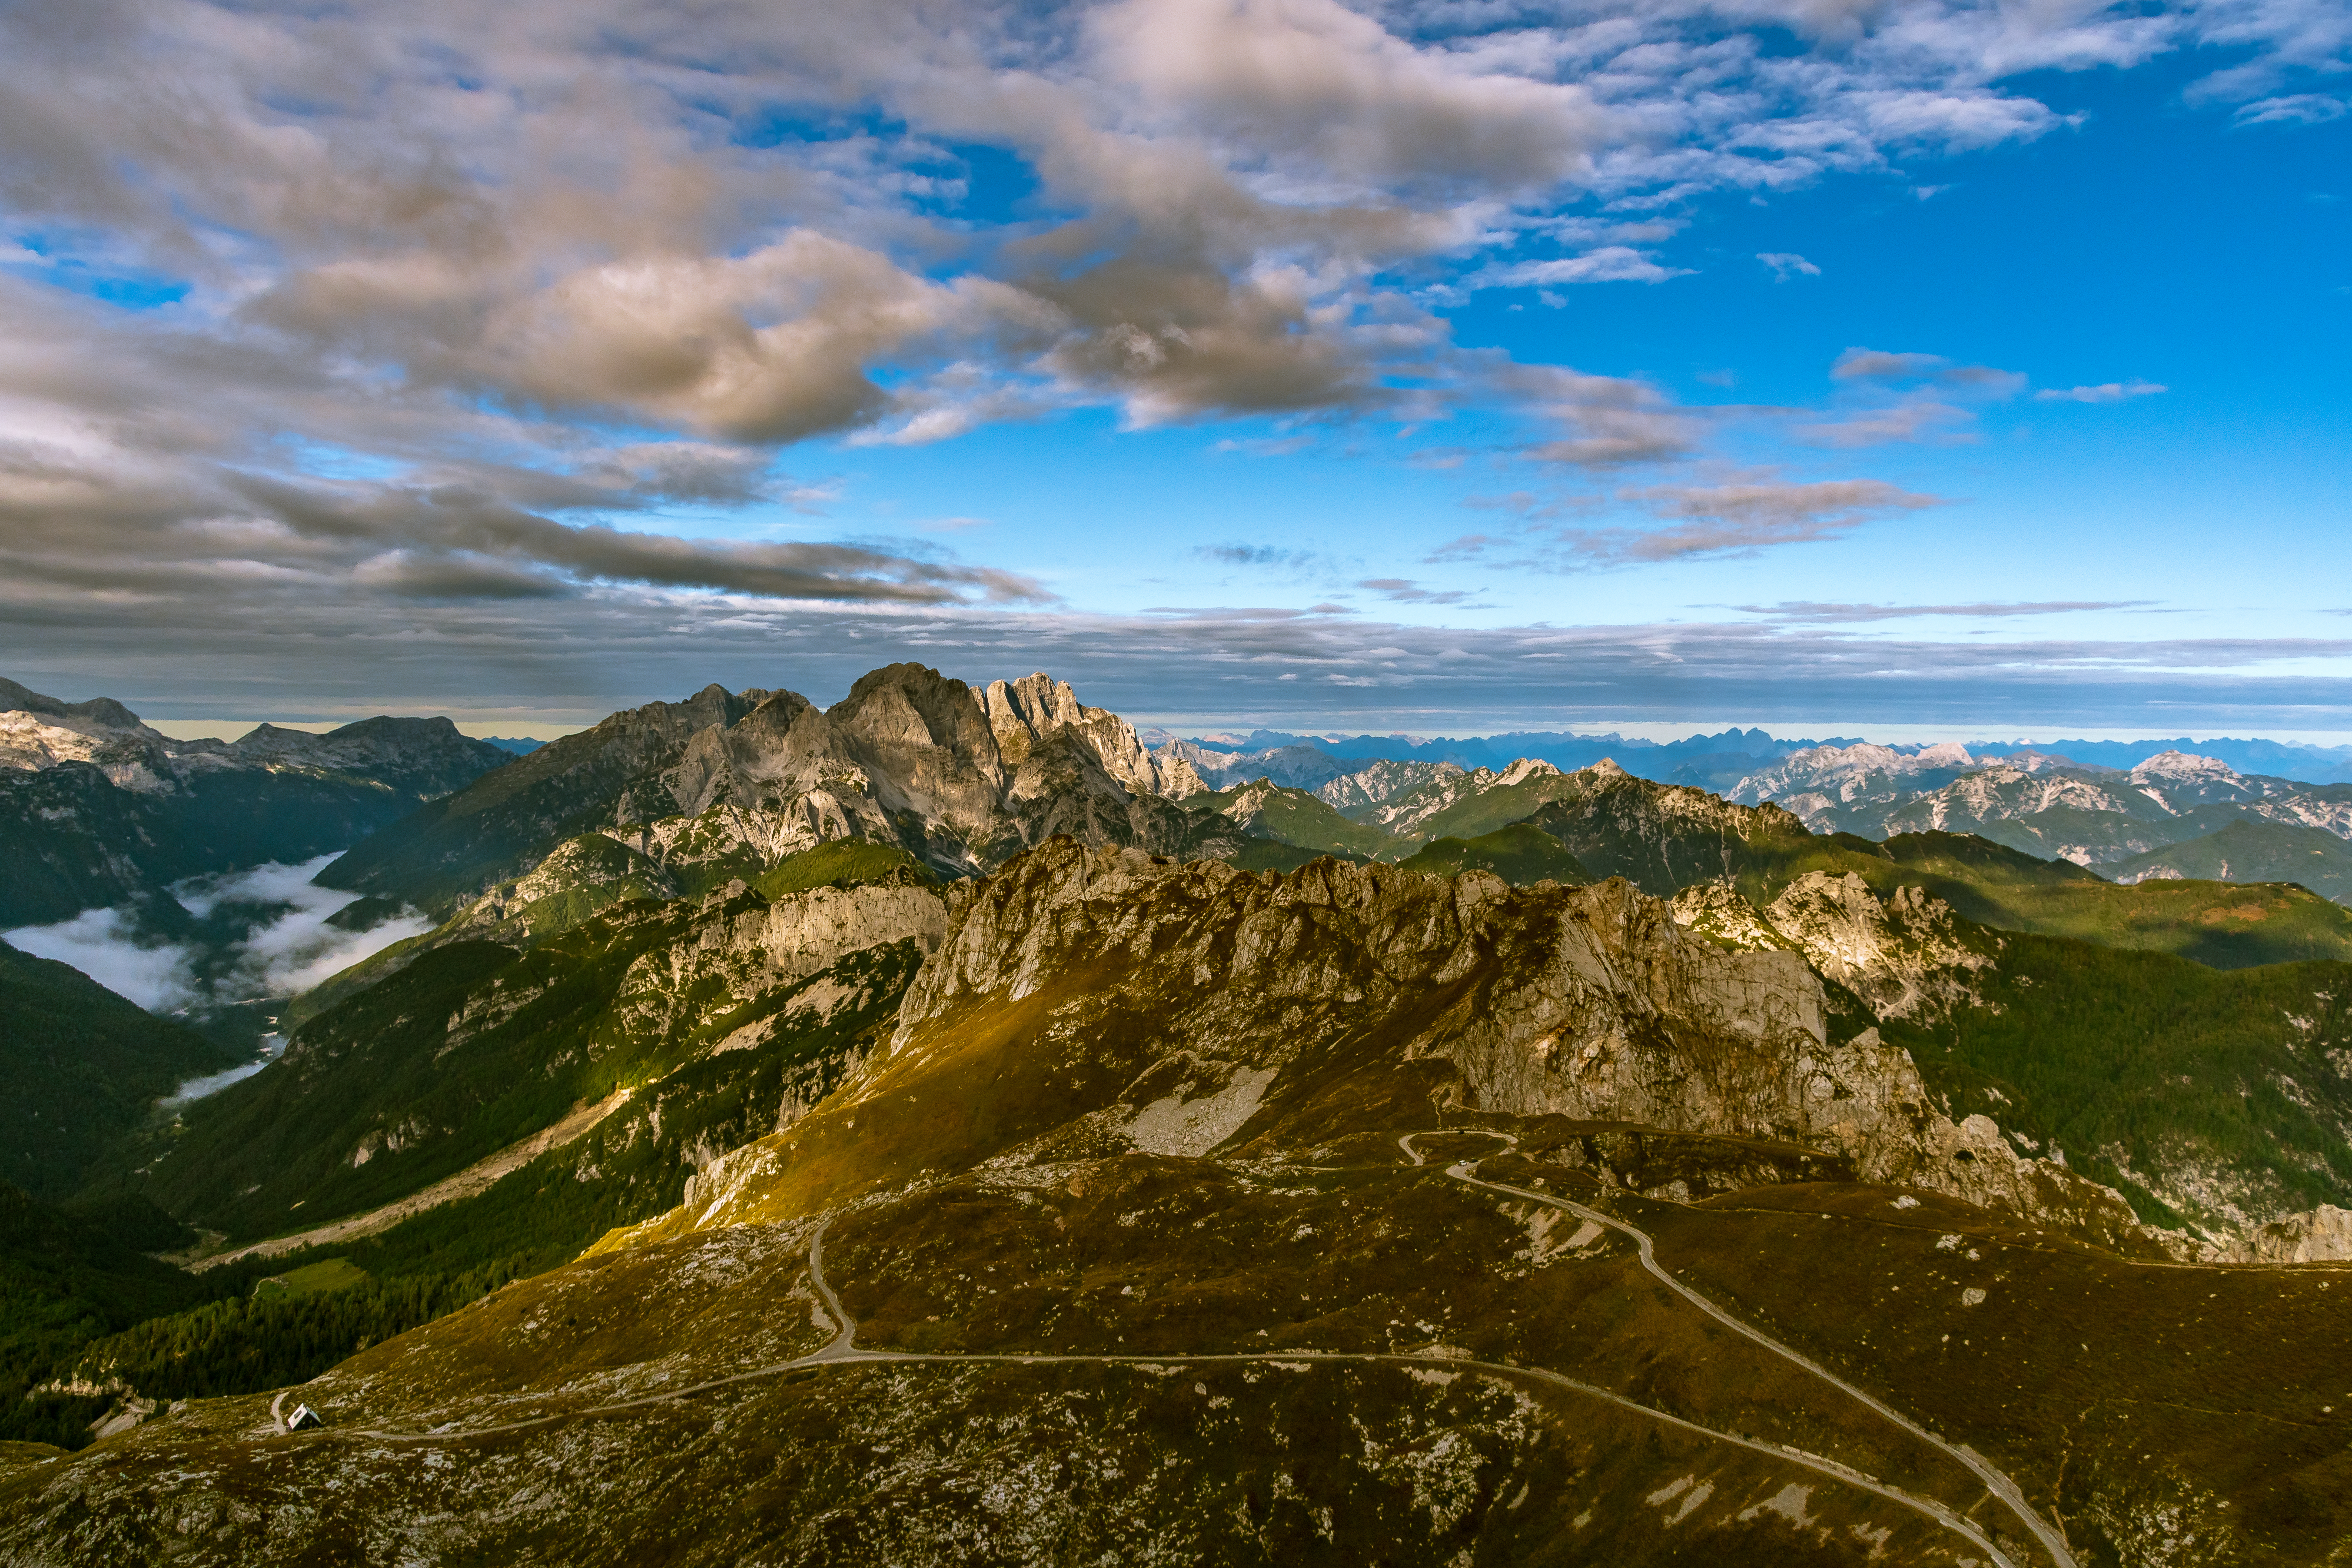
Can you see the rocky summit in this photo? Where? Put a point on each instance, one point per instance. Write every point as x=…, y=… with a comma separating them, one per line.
x=97, y=809
x=941, y=1128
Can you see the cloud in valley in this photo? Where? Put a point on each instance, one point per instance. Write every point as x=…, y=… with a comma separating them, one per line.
x=295, y=948
x=287, y=947
x=105, y=945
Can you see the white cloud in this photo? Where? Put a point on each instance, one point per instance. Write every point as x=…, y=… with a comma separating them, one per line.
x=454, y=275
x=104, y=944
x=296, y=949
x=2108, y=391
x=2294, y=109
x=289, y=950
x=1785, y=264
x=1610, y=264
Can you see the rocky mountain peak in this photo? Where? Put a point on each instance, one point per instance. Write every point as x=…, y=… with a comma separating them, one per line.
x=2184, y=767
x=960, y=776
x=103, y=711
x=1087, y=999
x=1021, y=712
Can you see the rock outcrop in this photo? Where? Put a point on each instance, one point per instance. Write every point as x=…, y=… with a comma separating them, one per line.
x=2322, y=1234
x=1196, y=982
x=1903, y=954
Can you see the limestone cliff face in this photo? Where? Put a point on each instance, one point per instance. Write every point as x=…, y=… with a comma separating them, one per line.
x=1904, y=954
x=1023, y=713
x=742, y=949
x=805, y=933
x=958, y=775
x=1592, y=1003
x=2323, y=1235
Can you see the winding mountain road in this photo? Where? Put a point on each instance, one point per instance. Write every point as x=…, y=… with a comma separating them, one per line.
x=1998, y=1484
x=843, y=1350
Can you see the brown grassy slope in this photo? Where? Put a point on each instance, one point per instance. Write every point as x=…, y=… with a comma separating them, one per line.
x=2127, y=1391
x=1288, y=1462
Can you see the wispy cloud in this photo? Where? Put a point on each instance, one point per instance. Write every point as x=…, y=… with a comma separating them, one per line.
x=1887, y=397
x=1879, y=365
x=1404, y=591
x=2292, y=108
x=1811, y=614
x=1277, y=557
x=1265, y=446
x=1786, y=265
x=2109, y=392
x=1610, y=264
x=1924, y=420
x=583, y=658
x=1741, y=519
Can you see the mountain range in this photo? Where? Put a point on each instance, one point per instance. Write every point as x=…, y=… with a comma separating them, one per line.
x=97, y=809
x=941, y=1127
x=2044, y=804
x=1718, y=761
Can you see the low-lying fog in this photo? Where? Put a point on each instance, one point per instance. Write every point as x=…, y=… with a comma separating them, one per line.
x=269, y=932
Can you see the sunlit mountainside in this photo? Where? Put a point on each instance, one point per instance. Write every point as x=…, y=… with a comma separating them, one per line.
x=941, y=1127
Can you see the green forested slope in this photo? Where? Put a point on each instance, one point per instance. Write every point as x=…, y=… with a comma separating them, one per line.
x=498, y=826
x=1521, y=853
x=472, y=1048
x=81, y=1067
x=1297, y=817
x=2250, y=852
x=67, y=1276
x=2185, y=1087
x=1662, y=837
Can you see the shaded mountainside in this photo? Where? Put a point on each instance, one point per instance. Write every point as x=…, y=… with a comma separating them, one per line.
x=958, y=777
x=1520, y=854
x=1294, y=816
x=435, y=1135
x=1182, y=1128
x=83, y=1068
x=2250, y=852
x=66, y=1276
x=98, y=809
x=477, y=1045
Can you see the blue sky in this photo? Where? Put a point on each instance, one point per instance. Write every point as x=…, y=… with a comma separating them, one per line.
x=1905, y=369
